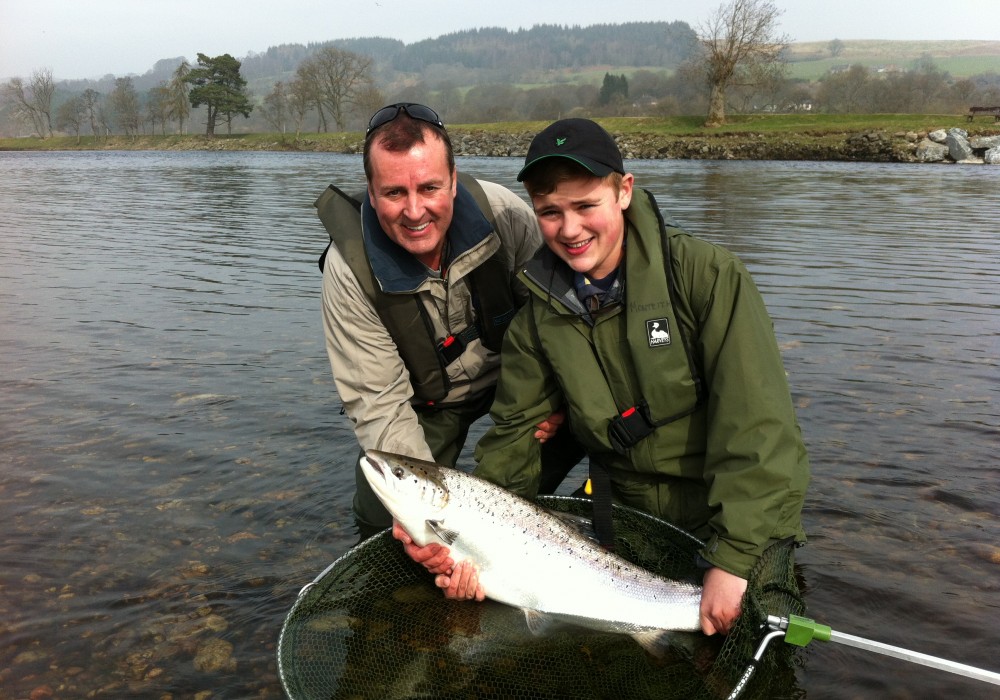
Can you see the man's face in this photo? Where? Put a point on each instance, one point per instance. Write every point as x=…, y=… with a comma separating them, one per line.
x=582, y=222
x=414, y=196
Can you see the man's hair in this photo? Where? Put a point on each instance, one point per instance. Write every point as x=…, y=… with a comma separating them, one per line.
x=401, y=134
x=543, y=178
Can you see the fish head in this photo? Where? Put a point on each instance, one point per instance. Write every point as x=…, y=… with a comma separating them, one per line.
x=411, y=489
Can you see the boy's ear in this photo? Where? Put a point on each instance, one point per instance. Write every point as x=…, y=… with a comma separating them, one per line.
x=625, y=191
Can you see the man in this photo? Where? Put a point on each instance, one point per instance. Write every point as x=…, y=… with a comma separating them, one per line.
x=419, y=287
x=662, y=350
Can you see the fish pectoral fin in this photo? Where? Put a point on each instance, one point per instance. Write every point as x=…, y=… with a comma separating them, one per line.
x=444, y=534
x=539, y=623
x=655, y=642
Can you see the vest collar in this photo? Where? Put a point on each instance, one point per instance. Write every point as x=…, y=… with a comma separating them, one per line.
x=399, y=272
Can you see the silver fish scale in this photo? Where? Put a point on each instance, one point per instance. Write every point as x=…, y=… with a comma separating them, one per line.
x=532, y=559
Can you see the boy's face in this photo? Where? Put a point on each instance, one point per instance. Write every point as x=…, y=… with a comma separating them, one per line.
x=582, y=222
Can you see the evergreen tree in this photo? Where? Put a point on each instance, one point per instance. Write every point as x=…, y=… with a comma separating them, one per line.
x=219, y=86
x=614, y=88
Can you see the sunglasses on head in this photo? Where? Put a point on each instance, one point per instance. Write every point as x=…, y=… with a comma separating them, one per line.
x=414, y=110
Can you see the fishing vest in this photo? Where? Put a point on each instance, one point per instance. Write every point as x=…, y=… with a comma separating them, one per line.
x=669, y=385
x=660, y=349
x=426, y=357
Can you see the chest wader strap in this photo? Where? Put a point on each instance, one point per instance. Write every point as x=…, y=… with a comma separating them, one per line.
x=452, y=347
x=600, y=481
x=629, y=427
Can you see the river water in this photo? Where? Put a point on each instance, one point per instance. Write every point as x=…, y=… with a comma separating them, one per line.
x=174, y=466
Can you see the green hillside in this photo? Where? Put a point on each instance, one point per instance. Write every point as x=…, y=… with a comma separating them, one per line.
x=961, y=59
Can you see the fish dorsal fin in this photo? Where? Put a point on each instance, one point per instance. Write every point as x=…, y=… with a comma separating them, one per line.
x=444, y=534
x=579, y=523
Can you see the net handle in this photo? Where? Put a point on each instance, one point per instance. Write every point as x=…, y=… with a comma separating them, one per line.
x=800, y=631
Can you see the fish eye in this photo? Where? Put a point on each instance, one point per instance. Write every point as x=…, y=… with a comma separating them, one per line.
x=398, y=472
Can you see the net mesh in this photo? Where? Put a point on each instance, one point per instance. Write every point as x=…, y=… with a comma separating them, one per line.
x=373, y=625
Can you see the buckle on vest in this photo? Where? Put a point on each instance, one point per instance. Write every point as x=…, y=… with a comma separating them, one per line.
x=629, y=427
x=452, y=347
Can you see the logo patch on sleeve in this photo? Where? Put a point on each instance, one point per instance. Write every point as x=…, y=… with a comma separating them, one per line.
x=658, y=332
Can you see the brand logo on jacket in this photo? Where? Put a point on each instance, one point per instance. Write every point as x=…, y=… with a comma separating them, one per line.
x=658, y=332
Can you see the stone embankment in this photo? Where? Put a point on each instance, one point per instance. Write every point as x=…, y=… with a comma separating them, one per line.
x=956, y=146
x=873, y=146
x=953, y=145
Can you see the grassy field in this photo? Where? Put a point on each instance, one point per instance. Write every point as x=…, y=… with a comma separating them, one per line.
x=961, y=59
x=782, y=126
x=812, y=60
x=778, y=124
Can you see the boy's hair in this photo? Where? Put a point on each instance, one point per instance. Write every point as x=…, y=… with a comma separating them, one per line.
x=544, y=177
x=400, y=135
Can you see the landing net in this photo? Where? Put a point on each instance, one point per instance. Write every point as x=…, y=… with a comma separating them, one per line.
x=374, y=626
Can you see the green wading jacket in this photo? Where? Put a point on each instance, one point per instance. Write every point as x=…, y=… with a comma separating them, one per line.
x=727, y=461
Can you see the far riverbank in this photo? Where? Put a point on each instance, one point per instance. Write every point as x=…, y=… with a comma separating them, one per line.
x=858, y=138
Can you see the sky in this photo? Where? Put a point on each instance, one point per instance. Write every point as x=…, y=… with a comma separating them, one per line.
x=92, y=38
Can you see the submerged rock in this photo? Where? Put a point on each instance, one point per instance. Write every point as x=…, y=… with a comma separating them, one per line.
x=215, y=655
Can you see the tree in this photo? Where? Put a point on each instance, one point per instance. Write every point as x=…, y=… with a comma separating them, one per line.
x=306, y=85
x=276, y=109
x=740, y=44
x=847, y=91
x=91, y=104
x=835, y=47
x=158, y=101
x=219, y=86
x=43, y=88
x=179, y=108
x=614, y=89
x=299, y=100
x=33, y=102
x=369, y=99
x=70, y=116
x=336, y=79
x=125, y=107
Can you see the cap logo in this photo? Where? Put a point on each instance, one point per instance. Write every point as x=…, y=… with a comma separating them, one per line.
x=560, y=141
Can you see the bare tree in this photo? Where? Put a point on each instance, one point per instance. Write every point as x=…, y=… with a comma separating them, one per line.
x=275, y=108
x=70, y=116
x=299, y=101
x=307, y=88
x=43, y=88
x=370, y=99
x=847, y=91
x=158, y=102
x=15, y=91
x=337, y=79
x=125, y=106
x=91, y=104
x=33, y=101
x=740, y=42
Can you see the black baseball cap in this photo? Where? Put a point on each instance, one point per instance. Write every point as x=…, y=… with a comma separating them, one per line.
x=581, y=140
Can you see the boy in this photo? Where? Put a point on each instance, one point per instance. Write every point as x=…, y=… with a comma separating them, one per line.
x=660, y=349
